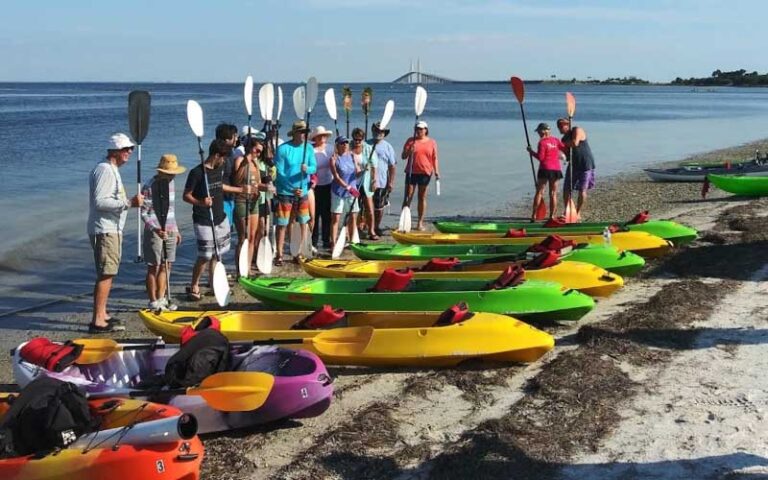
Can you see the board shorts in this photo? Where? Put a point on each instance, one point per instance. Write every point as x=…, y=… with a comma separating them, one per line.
x=549, y=175
x=153, y=247
x=380, y=198
x=204, y=237
x=417, y=179
x=286, y=204
x=341, y=205
x=240, y=208
x=582, y=181
x=107, y=253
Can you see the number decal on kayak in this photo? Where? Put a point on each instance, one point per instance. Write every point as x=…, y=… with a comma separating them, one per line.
x=304, y=392
x=160, y=466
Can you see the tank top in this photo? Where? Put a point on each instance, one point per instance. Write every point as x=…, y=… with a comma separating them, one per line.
x=581, y=155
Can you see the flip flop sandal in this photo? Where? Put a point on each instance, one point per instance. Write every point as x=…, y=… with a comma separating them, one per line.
x=278, y=261
x=193, y=295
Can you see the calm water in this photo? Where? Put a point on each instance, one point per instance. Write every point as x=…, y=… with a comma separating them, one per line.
x=51, y=135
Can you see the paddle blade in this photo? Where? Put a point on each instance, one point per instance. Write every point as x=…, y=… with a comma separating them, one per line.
x=518, y=87
x=248, y=95
x=343, y=342
x=299, y=100
x=571, y=215
x=437, y=187
x=311, y=93
x=220, y=284
x=338, y=247
x=138, y=114
x=355, y=236
x=404, y=224
x=570, y=104
x=541, y=211
x=295, y=245
x=243, y=263
x=279, y=102
x=264, y=107
x=265, y=255
x=195, y=118
x=389, y=110
x=420, y=100
x=96, y=350
x=330, y=104
x=235, y=391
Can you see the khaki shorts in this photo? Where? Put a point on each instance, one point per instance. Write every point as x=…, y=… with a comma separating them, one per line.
x=153, y=247
x=107, y=251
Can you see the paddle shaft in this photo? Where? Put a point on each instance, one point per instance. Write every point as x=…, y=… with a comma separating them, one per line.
x=139, y=246
x=162, y=219
x=208, y=195
x=360, y=182
x=528, y=142
x=407, y=198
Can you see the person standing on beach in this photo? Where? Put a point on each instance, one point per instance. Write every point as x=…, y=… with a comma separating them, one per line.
x=323, y=153
x=344, y=194
x=196, y=195
x=385, y=174
x=108, y=209
x=422, y=152
x=160, y=238
x=294, y=163
x=548, y=152
x=365, y=156
x=228, y=133
x=575, y=138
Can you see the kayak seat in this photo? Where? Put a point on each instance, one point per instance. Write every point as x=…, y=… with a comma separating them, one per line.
x=556, y=222
x=322, y=318
x=439, y=264
x=52, y=356
x=544, y=259
x=209, y=321
x=456, y=314
x=641, y=217
x=393, y=280
x=515, y=233
x=275, y=361
x=552, y=242
x=511, y=276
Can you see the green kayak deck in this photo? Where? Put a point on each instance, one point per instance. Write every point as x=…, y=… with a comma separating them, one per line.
x=741, y=185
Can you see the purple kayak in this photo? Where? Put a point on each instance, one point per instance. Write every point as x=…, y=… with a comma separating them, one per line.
x=302, y=386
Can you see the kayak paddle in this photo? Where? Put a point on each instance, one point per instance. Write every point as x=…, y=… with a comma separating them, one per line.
x=265, y=252
x=330, y=105
x=518, y=87
x=304, y=99
x=420, y=101
x=219, y=280
x=338, y=247
x=346, y=93
x=365, y=104
x=138, y=122
x=243, y=259
x=571, y=214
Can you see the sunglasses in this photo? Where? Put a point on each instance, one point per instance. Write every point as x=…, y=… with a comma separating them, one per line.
x=127, y=149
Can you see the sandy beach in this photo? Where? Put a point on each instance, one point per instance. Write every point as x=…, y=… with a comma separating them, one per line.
x=661, y=380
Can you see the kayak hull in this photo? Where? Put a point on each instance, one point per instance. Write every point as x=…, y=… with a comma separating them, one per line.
x=172, y=460
x=697, y=173
x=604, y=256
x=529, y=300
x=641, y=243
x=124, y=370
x=584, y=277
x=666, y=229
x=741, y=185
x=398, y=339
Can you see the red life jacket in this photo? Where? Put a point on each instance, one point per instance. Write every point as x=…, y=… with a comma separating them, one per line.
x=552, y=242
x=187, y=333
x=515, y=233
x=556, y=222
x=393, y=280
x=49, y=355
x=545, y=259
x=439, y=264
x=641, y=217
x=513, y=275
x=456, y=314
x=320, y=318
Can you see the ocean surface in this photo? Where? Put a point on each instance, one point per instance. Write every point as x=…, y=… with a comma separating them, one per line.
x=51, y=136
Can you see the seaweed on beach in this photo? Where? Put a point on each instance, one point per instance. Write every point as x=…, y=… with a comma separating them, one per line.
x=473, y=378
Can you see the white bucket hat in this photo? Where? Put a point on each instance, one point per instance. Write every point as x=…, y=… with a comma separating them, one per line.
x=119, y=141
x=422, y=124
x=318, y=131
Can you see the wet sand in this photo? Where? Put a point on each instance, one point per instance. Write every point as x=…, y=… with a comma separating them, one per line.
x=661, y=359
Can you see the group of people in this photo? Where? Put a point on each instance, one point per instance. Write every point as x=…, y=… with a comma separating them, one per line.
x=246, y=177
x=580, y=174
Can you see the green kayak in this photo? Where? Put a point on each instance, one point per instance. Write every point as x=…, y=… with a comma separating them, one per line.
x=532, y=299
x=604, y=256
x=740, y=184
x=666, y=229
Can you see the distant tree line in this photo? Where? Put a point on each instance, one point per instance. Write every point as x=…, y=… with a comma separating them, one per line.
x=631, y=80
x=736, y=78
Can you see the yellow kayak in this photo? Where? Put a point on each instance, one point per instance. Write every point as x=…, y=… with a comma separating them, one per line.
x=584, y=277
x=642, y=243
x=393, y=338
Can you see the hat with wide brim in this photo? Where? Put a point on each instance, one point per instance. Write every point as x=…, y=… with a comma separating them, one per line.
x=299, y=126
x=320, y=131
x=119, y=141
x=376, y=127
x=169, y=164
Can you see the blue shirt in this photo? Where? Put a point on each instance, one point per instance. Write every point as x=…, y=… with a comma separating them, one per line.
x=387, y=157
x=288, y=164
x=345, y=167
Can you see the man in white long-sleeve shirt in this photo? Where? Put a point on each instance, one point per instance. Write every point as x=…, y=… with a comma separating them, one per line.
x=106, y=218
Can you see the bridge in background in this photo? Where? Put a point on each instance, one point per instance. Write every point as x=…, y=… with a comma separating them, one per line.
x=416, y=76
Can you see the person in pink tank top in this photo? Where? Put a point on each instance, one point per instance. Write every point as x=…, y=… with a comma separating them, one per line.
x=549, y=153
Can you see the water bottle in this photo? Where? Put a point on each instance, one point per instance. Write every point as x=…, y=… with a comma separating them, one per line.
x=607, y=235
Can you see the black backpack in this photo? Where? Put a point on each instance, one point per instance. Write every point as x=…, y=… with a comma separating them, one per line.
x=48, y=414
x=204, y=354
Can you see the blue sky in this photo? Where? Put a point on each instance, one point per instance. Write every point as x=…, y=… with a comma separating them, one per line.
x=372, y=40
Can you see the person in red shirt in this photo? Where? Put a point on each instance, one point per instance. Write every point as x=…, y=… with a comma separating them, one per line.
x=549, y=153
x=421, y=153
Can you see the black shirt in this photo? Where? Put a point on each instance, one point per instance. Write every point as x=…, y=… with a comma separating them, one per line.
x=196, y=184
x=581, y=156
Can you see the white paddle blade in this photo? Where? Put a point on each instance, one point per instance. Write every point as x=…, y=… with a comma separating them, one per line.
x=263, y=102
x=299, y=100
x=220, y=284
x=355, y=236
x=195, y=118
x=389, y=110
x=404, y=224
x=267, y=101
x=279, y=102
x=306, y=247
x=243, y=263
x=420, y=100
x=248, y=95
x=437, y=187
x=265, y=255
x=311, y=93
x=295, y=245
x=338, y=247
x=330, y=104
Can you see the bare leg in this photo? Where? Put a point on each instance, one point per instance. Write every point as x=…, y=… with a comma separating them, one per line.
x=552, y=198
x=100, y=296
x=409, y=196
x=151, y=282
x=197, y=273
x=311, y=201
x=280, y=229
x=335, y=218
x=537, y=198
x=422, y=206
x=161, y=281
x=582, y=201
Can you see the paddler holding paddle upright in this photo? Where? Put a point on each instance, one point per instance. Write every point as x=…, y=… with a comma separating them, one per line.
x=548, y=153
x=575, y=138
